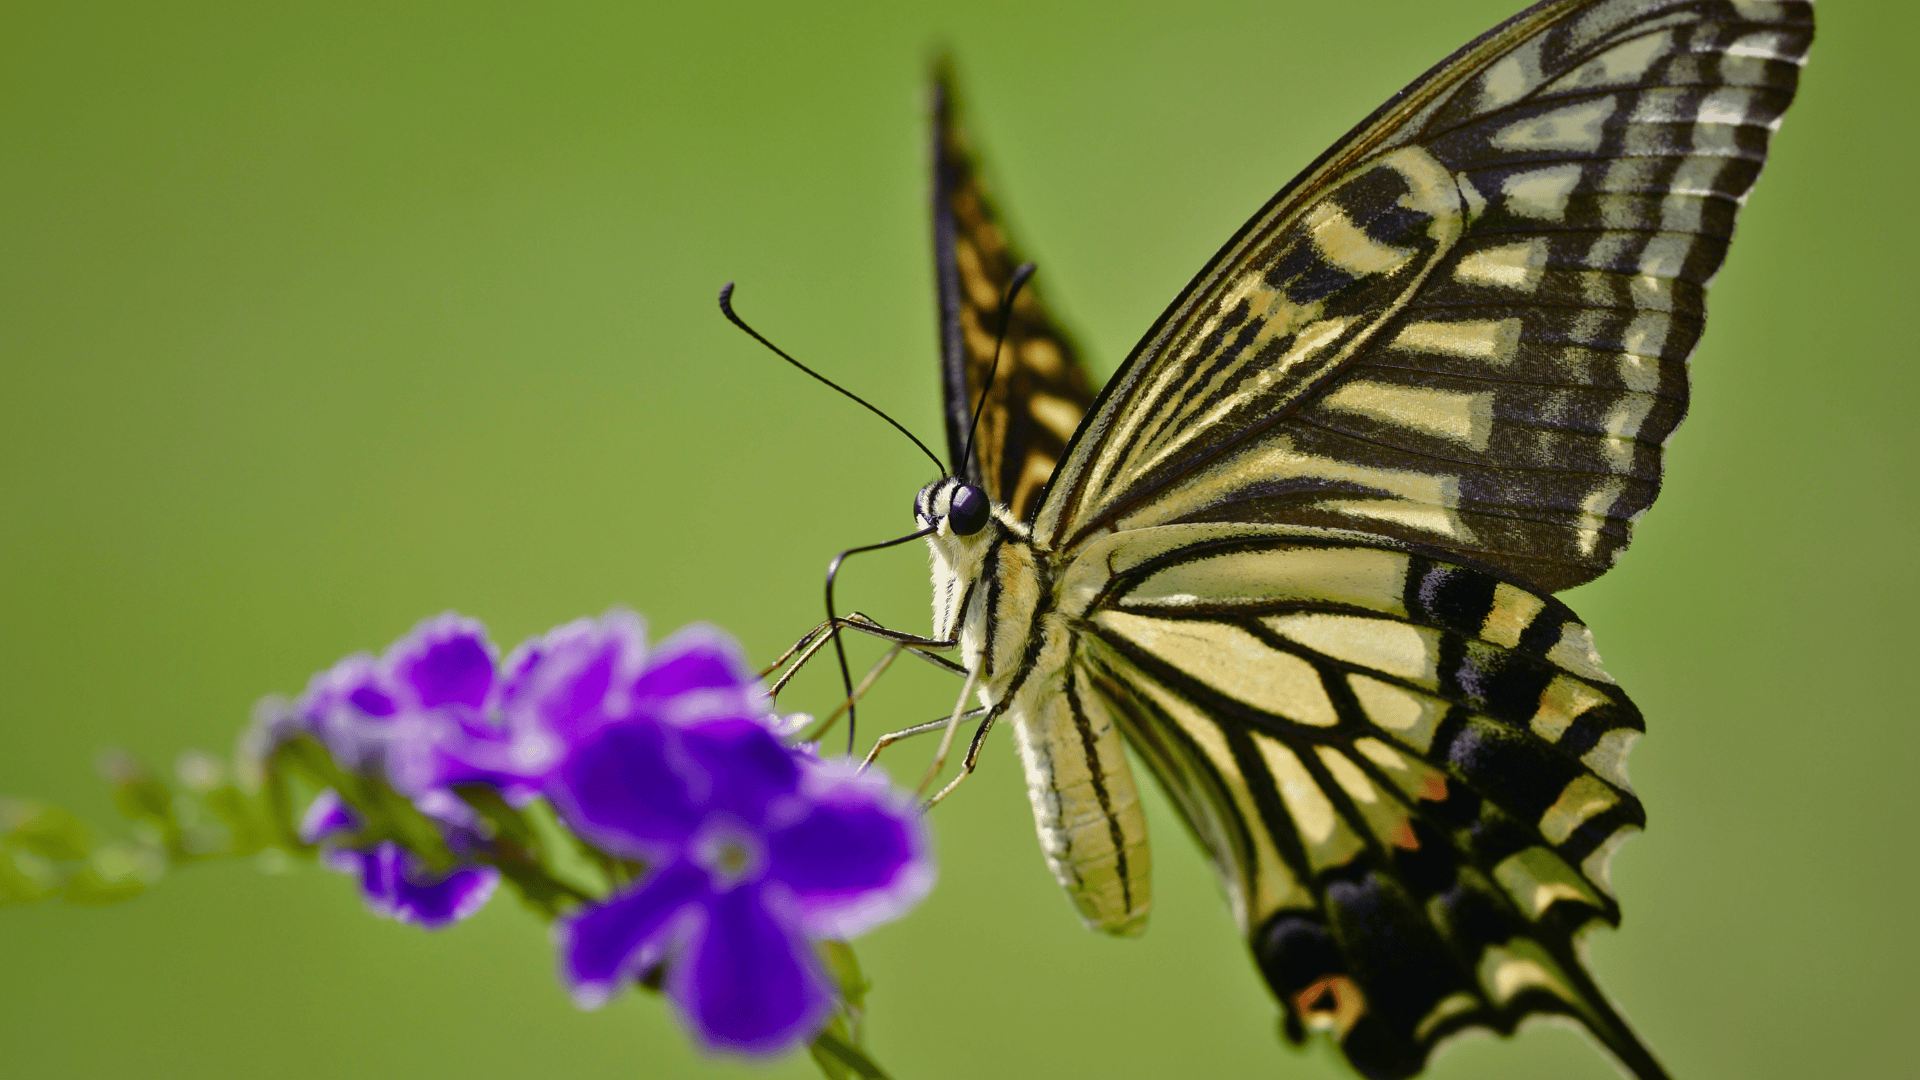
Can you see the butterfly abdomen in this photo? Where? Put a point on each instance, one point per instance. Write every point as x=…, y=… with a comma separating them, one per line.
x=1085, y=806
x=1086, y=809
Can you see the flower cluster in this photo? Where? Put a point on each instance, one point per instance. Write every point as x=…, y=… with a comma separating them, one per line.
x=741, y=851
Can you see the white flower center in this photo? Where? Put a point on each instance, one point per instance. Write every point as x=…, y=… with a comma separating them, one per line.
x=729, y=855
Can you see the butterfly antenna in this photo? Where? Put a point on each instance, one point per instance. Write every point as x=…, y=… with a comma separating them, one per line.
x=726, y=308
x=1020, y=276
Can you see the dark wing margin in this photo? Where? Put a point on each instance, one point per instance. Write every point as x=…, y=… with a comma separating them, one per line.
x=1410, y=774
x=1041, y=389
x=1467, y=326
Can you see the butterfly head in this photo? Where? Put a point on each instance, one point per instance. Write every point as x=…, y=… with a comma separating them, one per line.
x=951, y=506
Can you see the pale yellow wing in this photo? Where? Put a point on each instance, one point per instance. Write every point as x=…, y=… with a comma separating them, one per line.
x=1467, y=325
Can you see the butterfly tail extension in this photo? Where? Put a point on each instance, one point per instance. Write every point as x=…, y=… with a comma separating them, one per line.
x=1410, y=773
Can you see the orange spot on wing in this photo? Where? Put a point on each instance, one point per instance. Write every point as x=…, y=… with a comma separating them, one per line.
x=1403, y=836
x=1331, y=1004
x=1434, y=788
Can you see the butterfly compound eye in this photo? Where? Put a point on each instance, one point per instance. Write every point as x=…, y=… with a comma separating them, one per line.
x=968, y=512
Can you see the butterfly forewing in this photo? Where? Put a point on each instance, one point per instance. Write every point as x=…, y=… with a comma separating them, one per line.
x=1041, y=389
x=1468, y=327
x=1409, y=772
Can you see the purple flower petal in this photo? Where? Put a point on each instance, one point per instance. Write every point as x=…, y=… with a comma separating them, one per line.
x=628, y=790
x=748, y=768
x=518, y=762
x=462, y=826
x=347, y=861
x=445, y=660
x=860, y=857
x=373, y=701
x=355, y=712
x=699, y=672
x=520, y=666
x=411, y=754
x=327, y=815
x=607, y=945
x=396, y=883
x=750, y=984
x=573, y=679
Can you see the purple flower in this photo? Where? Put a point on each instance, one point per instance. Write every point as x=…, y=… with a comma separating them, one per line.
x=753, y=851
x=395, y=882
x=426, y=715
x=391, y=716
x=419, y=717
x=562, y=686
x=750, y=850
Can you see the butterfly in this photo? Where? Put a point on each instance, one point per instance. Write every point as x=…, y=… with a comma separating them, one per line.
x=1299, y=552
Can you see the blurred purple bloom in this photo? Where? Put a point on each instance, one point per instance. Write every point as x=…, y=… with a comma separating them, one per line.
x=426, y=715
x=562, y=686
x=421, y=718
x=753, y=849
x=395, y=882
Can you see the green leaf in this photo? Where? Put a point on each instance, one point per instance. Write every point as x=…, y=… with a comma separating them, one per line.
x=52, y=832
x=276, y=793
x=244, y=817
x=532, y=852
x=509, y=824
x=25, y=876
x=831, y=1045
x=542, y=894
x=845, y=970
x=139, y=797
x=387, y=815
x=113, y=873
x=570, y=858
x=832, y=1067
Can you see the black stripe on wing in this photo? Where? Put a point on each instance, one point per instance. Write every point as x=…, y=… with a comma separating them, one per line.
x=1473, y=334
x=1042, y=389
x=1410, y=773
x=1606, y=197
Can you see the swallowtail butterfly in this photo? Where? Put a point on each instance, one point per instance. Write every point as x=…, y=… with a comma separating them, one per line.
x=1299, y=552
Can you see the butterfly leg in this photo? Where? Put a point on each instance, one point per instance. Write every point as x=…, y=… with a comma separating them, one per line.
x=859, y=691
x=946, y=739
x=855, y=620
x=892, y=737
x=973, y=756
x=813, y=640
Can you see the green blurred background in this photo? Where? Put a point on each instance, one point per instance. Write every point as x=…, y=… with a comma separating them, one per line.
x=316, y=320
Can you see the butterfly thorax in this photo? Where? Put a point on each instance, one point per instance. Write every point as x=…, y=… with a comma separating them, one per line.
x=971, y=575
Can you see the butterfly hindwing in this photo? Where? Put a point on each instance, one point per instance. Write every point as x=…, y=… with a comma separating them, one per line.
x=1041, y=389
x=1409, y=772
x=1467, y=326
